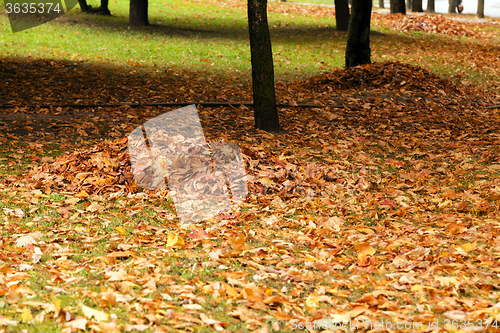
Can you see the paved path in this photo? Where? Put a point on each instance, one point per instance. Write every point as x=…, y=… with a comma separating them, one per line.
x=491, y=7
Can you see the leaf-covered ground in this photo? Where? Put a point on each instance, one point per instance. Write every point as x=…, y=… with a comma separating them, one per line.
x=384, y=210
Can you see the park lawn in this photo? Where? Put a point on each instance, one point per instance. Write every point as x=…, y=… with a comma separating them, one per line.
x=384, y=210
x=211, y=38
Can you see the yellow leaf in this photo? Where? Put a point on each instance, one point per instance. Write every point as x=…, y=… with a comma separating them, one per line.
x=365, y=230
x=266, y=181
x=174, y=240
x=98, y=315
x=364, y=249
x=26, y=316
x=469, y=246
x=464, y=248
x=238, y=244
x=310, y=258
x=420, y=288
x=312, y=301
x=120, y=230
x=82, y=194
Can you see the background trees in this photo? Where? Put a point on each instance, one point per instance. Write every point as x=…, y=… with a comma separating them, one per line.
x=480, y=8
x=138, y=15
x=431, y=6
x=416, y=6
x=103, y=9
x=398, y=6
x=342, y=14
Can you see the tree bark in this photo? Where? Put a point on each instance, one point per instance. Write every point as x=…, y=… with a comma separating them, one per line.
x=264, y=95
x=138, y=15
x=409, y=5
x=451, y=6
x=104, y=9
x=416, y=6
x=480, y=9
x=342, y=14
x=83, y=6
x=381, y=4
x=358, y=38
x=431, y=6
x=398, y=6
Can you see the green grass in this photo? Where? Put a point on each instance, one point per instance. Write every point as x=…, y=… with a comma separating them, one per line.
x=204, y=37
x=179, y=38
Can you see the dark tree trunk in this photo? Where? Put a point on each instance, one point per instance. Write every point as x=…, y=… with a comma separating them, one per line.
x=381, y=4
x=357, y=51
x=83, y=6
x=138, y=15
x=480, y=9
x=431, y=6
x=342, y=14
x=409, y=4
x=416, y=6
x=398, y=6
x=451, y=6
x=104, y=9
x=264, y=95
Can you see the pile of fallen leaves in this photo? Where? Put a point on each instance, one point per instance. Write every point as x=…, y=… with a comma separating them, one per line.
x=436, y=24
x=387, y=75
x=104, y=168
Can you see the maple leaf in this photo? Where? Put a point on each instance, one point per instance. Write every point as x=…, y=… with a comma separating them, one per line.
x=26, y=315
x=364, y=249
x=174, y=240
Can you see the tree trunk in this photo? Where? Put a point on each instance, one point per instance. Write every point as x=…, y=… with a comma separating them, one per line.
x=357, y=51
x=264, y=95
x=409, y=5
x=451, y=6
x=398, y=6
x=431, y=6
x=381, y=4
x=138, y=15
x=417, y=6
x=104, y=9
x=342, y=14
x=480, y=9
x=83, y=6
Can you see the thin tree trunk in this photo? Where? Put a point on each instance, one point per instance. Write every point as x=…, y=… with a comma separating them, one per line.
x=358, y=38
x=417, y=6
x=381, y=4
x=451, y=6
x=398, y=6
x=342, y=14
x=264, y=95
x=431, y=6
x=409, y=5
x=138, y=15
x=480, y=9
